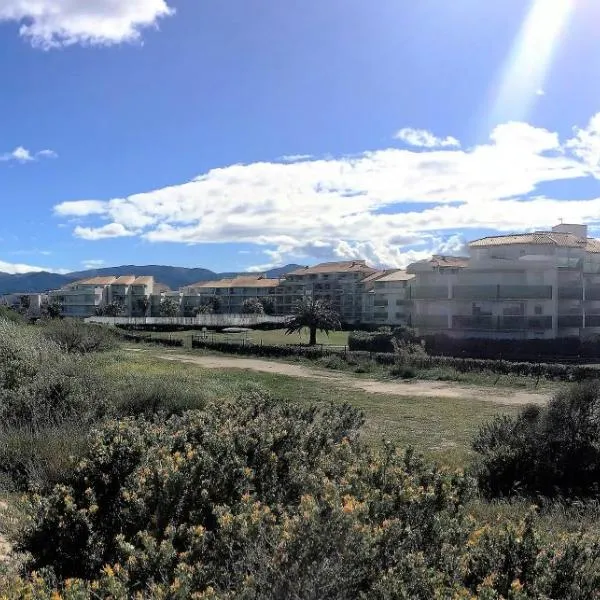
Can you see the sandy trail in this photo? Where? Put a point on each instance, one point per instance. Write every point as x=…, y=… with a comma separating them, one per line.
x=429, y=389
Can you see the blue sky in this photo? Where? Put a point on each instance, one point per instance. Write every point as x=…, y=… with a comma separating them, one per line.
x=243, y=134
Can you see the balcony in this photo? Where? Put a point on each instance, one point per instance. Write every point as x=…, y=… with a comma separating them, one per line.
x=484, y=322
x=592, y=292
x=475, y=292
x=525, y=292
x=573, y=292
x=592, y=321
x=431, y=321
x=504, y=323
x=429, y=292
x=570, y=321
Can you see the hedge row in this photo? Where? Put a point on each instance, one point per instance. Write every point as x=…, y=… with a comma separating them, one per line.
x=557, y=372
x=517, y=350
x=554, y=371
x=176, y=342
x=536, y=350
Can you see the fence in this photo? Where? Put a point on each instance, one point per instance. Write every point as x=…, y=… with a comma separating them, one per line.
x=202, y=320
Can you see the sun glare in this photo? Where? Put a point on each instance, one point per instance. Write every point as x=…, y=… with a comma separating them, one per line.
x=527, y=67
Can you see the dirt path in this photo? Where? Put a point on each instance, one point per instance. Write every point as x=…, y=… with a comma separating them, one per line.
x=430, y=389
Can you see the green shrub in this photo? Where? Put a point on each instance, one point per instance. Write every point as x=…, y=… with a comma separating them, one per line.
x=9, y=314
x=147, y=395
x=260, y=500
x=550, y=451
x=403, y=371
x=23, y=353
x=76, y=336
x=37, y=460
x=333, y=362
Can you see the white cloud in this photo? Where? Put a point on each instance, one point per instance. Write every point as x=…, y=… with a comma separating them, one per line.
x=295, y=157
x=81, y=208
x=586, y=144
x=19, y=154
x=47, y=153
x=93, y=263
x=112, y=230
x=23, y=155
x=425, y=139
x=540, y=92
x=16, y=268
x=53, y=23
x=389, y=206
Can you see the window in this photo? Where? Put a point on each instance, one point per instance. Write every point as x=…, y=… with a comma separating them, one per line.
x=538, y=309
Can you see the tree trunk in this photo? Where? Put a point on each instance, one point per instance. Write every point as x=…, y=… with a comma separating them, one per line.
x=313, y=337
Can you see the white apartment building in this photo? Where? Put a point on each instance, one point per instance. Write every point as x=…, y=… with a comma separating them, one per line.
x=27, y=303
x=338, y=283
x=230, y=293
x=84, y=298
x=392, y=304
x=543, y=284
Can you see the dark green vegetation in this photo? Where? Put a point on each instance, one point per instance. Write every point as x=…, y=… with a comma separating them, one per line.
x=547, y=451
x=230, y=485
x=314, y=315
x=408, y=361
x=539, y=351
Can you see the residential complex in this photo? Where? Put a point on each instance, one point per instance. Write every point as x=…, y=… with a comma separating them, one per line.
x=542, y=284
x=87, y=297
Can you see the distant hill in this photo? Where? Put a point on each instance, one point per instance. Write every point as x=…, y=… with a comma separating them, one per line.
x=174, y=277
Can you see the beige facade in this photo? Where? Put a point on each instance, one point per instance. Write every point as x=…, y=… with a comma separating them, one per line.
x=230, y=294
x=536, y=285
x=339, y=283
x=86, y=297
x=391, y=299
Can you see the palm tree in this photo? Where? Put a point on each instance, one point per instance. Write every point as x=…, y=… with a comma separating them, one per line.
x=314, y=314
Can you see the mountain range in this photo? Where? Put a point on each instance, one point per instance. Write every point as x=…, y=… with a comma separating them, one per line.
x=173, y=277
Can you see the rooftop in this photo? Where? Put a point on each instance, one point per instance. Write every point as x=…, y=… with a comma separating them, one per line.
x=96, y=281
x=257, y=281
x=349, y=266
x=543, y=238
x=399, y=275
x=124, y=280
x=144, y=280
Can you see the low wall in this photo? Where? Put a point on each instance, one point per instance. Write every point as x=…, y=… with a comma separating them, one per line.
x=202, y=320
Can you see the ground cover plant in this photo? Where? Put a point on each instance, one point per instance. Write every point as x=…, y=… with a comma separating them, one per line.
x=551, y=450
x=256, y=499
x=227, y=485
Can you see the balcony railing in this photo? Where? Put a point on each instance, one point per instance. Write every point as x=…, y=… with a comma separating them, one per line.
x=431, y=321
x=429, y=292
x=525, y=292
x=475, y=292
x=592, y=292
x=501, y=323
x=570, y=321
x=574, y=292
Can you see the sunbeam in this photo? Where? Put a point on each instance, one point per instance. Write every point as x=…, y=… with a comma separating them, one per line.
x=524, y=76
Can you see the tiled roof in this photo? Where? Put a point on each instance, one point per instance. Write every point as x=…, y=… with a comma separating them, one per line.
x=144, y=280
x=593, y=246
x=97, y=281
x=374, y=276
x=443, y=262
x=124, y=280
x=349, y=266
x=258, y=281
x=545, y=238
x=399, y=275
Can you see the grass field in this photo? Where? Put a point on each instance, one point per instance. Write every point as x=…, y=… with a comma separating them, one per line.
x=440, y=428
x=271, y=337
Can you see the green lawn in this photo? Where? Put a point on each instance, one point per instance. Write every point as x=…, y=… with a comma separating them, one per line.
x=440, y=428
